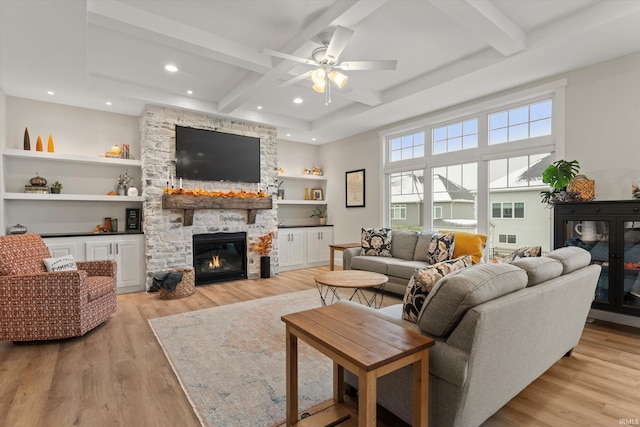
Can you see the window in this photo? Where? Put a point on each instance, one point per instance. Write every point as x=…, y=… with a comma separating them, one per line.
x=507, y=210
x=406, y=147
x=455, y=137
x=523, y=122
x=507, y=238
x=398, y=212
x=437, y=212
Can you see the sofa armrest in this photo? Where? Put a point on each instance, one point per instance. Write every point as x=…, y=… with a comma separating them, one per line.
x=347, y=254
x=99, y=268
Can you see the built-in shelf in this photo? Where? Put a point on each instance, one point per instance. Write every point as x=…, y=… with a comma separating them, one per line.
x=302, y=176
x=301, y=202
x=190, y=203
x=71, y=197
x=61, y=157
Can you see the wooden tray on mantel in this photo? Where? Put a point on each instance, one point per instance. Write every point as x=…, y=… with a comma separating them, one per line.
x=190, y=203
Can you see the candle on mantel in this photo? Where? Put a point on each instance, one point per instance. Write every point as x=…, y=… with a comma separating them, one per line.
x=181, y=183
x=171, y=181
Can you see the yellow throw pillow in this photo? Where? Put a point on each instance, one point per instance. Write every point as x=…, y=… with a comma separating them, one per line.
x=468, y=244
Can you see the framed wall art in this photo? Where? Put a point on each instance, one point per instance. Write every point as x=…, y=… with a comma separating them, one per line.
x=316, y=194
x=354, y=183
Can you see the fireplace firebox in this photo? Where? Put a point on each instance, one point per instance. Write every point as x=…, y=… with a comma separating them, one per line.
x=219, y=257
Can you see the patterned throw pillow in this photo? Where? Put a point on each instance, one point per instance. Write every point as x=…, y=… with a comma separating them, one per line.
x=440, y=247
x=376, y=242
x=527, y=251
x=60, y=263
x=423, y=280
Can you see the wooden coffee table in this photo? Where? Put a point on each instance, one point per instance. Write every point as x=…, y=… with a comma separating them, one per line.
x=367, y=346
x=354, y=280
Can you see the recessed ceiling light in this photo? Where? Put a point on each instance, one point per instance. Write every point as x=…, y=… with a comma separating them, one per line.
x=259, y=107
x=108, y=102
x=171, y=68
x=190, y=92
x=313, y=139
x=298, y=101
x=49, y=92
x=288, y=134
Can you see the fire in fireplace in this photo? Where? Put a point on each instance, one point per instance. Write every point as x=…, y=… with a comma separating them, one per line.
x=219, y=257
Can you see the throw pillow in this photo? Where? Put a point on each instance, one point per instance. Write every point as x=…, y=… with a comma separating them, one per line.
x=376, y=242
x=423, y=280
x=60, y=263
x=468, y=243
x=524, y=252
x=440, y=247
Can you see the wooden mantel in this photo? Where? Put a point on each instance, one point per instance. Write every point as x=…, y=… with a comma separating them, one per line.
x=191, y=203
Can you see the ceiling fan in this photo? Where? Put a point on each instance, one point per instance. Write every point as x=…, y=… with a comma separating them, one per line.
x=326, y=60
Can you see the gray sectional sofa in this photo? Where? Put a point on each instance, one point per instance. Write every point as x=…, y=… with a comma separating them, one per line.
x=497, y=328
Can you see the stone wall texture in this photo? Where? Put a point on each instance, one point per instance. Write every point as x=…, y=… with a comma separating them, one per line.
x=168, y=242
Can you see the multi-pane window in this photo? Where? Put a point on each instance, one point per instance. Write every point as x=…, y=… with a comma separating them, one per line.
x=522, y=122
x=399, y=212
x=521, y=171
x=507, y=238
x=437, y=212
x=455, y=137
x=406, y=147
x=507, y=210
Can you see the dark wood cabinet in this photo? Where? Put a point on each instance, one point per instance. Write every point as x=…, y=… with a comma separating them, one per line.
x=610, y=231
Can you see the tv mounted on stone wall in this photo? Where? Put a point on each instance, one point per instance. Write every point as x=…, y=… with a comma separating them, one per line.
x=208, y=155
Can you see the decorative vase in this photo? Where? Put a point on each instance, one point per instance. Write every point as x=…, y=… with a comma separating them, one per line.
x=281, y=194
x=50, y=144
x=27, y=141
x=132, y=191
x=306, y=193
x=39, y=144
x=265, y=267
x=55, y=190
x=121, y=191
x=323, y=221
x=18, y=229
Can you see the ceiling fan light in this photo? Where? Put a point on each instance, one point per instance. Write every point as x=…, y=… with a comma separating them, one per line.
x=319, y=87
x=338, y=78
x=318, y=76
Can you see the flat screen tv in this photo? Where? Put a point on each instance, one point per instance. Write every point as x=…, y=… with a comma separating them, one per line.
x=208, y=155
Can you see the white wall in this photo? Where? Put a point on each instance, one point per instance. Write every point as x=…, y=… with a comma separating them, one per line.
x=293, y=157
x=74, y=130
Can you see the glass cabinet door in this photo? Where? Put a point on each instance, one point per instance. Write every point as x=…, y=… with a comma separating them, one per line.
x=593, y=236
x=631, y=263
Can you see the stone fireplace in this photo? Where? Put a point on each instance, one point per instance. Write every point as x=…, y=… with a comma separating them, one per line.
x=219, y=257
x=169, y=242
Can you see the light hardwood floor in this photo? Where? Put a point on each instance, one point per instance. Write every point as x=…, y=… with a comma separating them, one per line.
x=117, y=374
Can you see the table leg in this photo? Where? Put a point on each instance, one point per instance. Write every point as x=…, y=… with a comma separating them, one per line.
x=331, y=258
x=421, y=390
x=338, y=383
x=367, y=399
x=292, y=378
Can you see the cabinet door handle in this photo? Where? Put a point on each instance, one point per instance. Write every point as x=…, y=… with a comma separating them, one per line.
x=117, y=248
x=597, y=209
x=110, y=248
x=636, y=209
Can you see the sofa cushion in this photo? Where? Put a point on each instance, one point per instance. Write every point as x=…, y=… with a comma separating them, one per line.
x=375, y=264
x=98, y=286
x=539, y=269
x=571, y=257
x=468, y=243
x=376, y=242
x=457, y=292
x=60, y=263
x=423, y=280
x=22, y=254
x=405, y=269
x=524, y=252
x=440, y=247
x=404, y=244
x=422, y=246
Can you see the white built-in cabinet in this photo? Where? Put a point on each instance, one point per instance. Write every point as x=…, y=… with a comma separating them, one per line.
x=126, y=249
x=304, y=247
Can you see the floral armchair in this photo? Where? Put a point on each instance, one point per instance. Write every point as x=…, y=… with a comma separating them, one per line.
x=40, y=305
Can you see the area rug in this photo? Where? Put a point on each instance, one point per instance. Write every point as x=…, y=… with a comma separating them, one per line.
x=230, y=360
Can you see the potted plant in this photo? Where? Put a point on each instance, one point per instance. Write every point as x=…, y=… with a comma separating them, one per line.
x=321, y=213
x=558, y=175
x=263, y=246
x=56, y=187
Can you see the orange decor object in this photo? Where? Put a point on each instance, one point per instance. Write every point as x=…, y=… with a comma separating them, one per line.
x=50, y=144
x=264, y=244
x=39, y=144
x=27, y=141
x=116, y=149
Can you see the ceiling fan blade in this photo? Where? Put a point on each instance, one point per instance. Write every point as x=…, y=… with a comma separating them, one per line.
x=296, y=79
x=338, y=42
x=383, y=64
x=290, y=57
